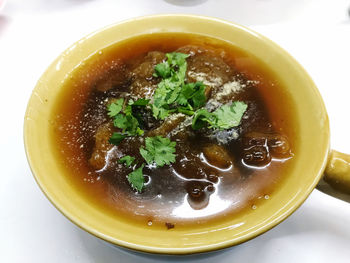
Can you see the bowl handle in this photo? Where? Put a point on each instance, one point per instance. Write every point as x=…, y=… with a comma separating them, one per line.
x=336, y=179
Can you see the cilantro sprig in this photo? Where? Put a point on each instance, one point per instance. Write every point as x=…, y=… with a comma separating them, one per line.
x=193, y=95
x=124, y=119
x=136, y=178
x=139, y=102
x=116, y=138
x=158, y=150
x=115, y=107
x=172, y=94
x=229, y=116
x=127, y=159
x=224, y=117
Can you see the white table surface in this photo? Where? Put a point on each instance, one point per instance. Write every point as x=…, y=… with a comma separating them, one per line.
x=34, y=32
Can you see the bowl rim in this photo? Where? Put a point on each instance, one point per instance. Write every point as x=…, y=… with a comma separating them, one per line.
x=192, y=250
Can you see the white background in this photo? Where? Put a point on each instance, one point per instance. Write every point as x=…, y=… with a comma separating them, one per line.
x=34, y=32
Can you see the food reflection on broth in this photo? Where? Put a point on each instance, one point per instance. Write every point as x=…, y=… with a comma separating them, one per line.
x=164, y=163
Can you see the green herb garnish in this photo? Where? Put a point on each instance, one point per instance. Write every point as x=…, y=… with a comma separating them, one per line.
x=127, y=159
x=225, y=117
x=192, y=94
x=115, y=107
x=158, y=150
x=116, y=138
x=128, y=123
x=162, y=70
x=139, y=102
x=136, y=179
x=173, y=73
x=124, y=119
x=172, y=93
x=229, y=116
x=201, y=118
x=185, y=110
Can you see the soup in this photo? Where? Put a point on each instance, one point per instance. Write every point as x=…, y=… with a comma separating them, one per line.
x=172, y=130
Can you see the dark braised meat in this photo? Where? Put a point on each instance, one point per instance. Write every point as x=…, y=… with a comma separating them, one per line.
x=167, y=126
x=143, y=83
x=259, y=148
x=208, y=67
x=117, y=77
x=102, y=146
x=217, y=156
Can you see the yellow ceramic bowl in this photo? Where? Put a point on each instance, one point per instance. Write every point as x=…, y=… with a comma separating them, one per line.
x=312, y=141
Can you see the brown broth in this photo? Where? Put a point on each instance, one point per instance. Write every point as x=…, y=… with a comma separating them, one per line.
x=163, y=201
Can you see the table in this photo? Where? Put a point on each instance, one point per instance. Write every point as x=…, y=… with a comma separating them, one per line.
x=34, y=32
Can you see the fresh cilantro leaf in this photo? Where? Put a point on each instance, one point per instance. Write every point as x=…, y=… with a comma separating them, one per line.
x=201, y=118
x=185, y=110
x=225, y=117
x=176, y=59
x=139, y=131
x=128, y=123
x=147, y=155
x=115, y=107
x=136, y=179
x=165, y=154
x=139, y=102
x=229, y=116
x=163, y=93
x=160, y=105
x=173, y=94
x=128, y=110
x=193, y=94
x=132, y=128
x=162, y=70
x=120, y=121
x=158, y=150
x=116, y=138
x=181, y=99
x=185, y=95
x=173, y=72
x=127, y=159
x=160, y=112
x=198, y=98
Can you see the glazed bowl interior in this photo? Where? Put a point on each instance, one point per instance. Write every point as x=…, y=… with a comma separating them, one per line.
x=312, y=141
